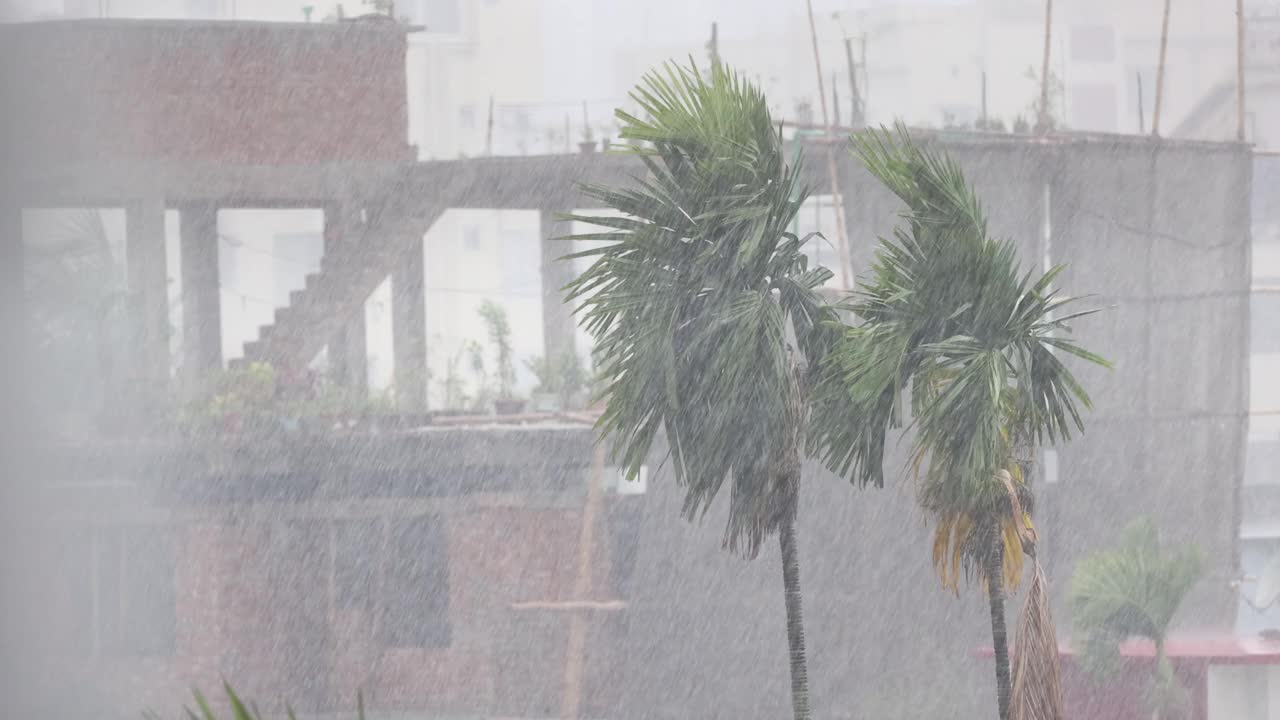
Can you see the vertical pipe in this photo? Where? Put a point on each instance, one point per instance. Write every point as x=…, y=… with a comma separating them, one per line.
x=1164, y=45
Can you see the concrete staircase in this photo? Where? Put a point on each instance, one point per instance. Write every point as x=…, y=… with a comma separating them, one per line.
x=349, y=273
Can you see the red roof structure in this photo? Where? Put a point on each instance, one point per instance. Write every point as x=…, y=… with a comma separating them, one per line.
x=1120, y=696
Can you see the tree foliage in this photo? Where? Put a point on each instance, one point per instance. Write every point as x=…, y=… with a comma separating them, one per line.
x=695, y=291
x=1132, y=590
x=950, y=334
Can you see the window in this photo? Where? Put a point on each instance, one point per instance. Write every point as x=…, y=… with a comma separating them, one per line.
x=416, y=594
x=471, y=237
x=1262, y=460
x=357, y=547
x=1093, y=43
x=1264, y=319
x=1255, y=613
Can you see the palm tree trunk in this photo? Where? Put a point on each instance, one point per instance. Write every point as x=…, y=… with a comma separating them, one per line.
x=999, y=634
x=1158, y=679
x=795, y=618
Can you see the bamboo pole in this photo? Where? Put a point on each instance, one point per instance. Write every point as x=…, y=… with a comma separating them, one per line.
x=1164, y=45
x=1043, y=121
x=1240, y=70
x=575, y=652
x=855, y=100
x=842, y=244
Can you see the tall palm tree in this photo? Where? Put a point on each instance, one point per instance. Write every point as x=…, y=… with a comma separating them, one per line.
x=1133, y=591
x=706, y=314
x=947, y=315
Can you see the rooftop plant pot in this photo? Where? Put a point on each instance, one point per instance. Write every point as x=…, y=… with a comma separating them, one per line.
x=509, y=406
x=543, y=402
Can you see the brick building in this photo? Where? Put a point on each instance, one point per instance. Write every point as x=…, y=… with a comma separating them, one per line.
x=439, y=567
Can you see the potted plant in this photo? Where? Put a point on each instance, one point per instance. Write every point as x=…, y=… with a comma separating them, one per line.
x=561, y=380
x=495, y=319
x=453, y=386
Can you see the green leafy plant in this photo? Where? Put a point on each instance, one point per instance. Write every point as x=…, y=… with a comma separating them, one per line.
x=499, y=330
x=235, y=398
x=947, y=315
x=240, y=710
x=706, y=314
x=453, y=388
x=560, y=375
x=1133, y=590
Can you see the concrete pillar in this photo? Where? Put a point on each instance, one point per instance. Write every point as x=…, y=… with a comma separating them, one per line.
x=558, y=325
x=348, y=354
x=201, y=300
x=147, y=278
x=409, y=331
x=13, y=321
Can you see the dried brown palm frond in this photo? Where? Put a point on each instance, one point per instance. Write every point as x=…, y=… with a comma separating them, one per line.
x=1037, y=677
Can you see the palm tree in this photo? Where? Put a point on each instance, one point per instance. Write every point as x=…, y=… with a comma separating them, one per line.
x=706, y=314
x=947, y=315
x=1133, y=591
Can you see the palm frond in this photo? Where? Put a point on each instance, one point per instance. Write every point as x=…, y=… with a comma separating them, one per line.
x=946, y=316
x=690, y=293
x=1037, y=674
x=1130, y=591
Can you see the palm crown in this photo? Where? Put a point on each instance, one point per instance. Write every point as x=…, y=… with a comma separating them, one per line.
x=947, y=314
x=691, y=297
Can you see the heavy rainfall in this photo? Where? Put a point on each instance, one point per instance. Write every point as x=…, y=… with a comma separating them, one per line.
x=617, y=360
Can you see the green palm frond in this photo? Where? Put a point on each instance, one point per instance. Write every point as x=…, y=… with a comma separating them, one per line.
x=690, y=294
x=945, y=317
x=240, y=710
x=1130, y=591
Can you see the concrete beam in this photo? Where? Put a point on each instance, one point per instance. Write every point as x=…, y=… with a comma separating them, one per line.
x=251, y=186
x=558, y=325
x=409, y=332
x=201, y=296
x=516, y=183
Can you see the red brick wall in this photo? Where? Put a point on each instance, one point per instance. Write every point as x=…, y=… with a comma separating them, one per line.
x=238, y=93
x=253, y=605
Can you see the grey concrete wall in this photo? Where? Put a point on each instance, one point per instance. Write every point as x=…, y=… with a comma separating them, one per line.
x=1161, y=234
